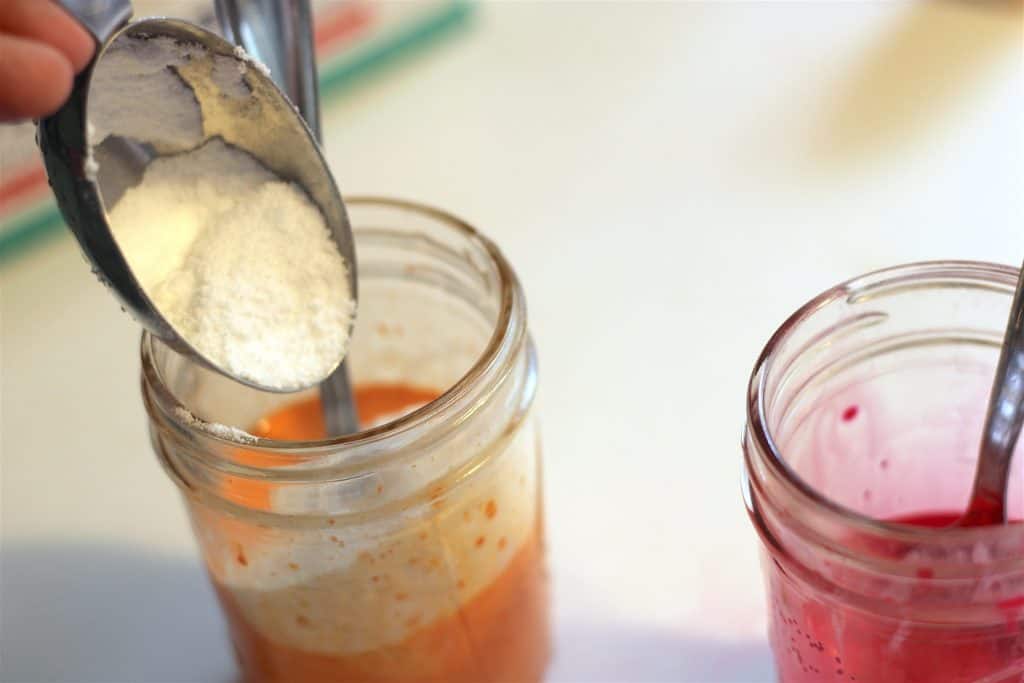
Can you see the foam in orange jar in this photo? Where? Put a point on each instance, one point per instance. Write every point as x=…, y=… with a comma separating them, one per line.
x=455, y=592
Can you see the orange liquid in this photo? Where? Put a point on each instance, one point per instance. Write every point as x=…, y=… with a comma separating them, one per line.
x=303, y=420
x=498, y=636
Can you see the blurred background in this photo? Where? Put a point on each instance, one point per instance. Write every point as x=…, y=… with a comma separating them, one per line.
x=670, y=181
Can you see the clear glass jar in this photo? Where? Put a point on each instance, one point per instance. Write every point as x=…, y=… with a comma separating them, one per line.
x=864, y=418
x=413, y=550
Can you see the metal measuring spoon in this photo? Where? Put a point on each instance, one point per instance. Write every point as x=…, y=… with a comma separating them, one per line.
x=1002, y=425
x=88, y=180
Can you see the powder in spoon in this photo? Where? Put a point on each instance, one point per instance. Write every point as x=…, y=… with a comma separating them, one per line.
x=240, y=263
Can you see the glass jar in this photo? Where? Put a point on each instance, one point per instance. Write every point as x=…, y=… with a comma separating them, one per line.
x=864, y=419
x=414, y=549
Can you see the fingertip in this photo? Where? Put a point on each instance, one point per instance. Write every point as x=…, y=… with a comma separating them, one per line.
x=40, y=78
x=56, y=71
x=77, y=44
x=47, y=22
x=63, y=75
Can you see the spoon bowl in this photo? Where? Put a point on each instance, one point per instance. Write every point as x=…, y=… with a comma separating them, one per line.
x=117, y=121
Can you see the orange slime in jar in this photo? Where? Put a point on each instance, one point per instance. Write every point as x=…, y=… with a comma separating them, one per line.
x=500, y=635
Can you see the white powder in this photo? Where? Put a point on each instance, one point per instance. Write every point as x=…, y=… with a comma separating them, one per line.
x=134, y=84
x=134, y=74
x=91, y=167
x=244, y=56
x=240, y=263
x=215, y=428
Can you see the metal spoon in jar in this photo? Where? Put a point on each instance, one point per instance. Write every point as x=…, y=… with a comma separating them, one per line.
x=1002, y=425
x=88, y=180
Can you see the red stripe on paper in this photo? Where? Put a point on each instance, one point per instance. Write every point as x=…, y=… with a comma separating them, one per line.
x=25, y=183
x=347, y=22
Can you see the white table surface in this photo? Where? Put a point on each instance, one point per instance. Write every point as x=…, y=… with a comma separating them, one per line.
x=670, y=181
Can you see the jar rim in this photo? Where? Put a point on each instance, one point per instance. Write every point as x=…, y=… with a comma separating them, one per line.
x=509, y=332
x=769, y=452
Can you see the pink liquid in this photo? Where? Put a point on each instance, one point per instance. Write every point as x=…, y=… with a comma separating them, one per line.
x=817, y=639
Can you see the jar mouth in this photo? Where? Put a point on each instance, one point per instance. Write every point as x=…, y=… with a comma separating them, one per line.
x=769, y=453
x=509, y=334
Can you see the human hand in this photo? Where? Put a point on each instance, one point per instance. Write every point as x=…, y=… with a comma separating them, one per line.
x=41, y=50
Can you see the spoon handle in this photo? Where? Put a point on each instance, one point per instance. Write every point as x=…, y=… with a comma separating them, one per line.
x=1002, y=424
x=101, y=18
x=279, y=33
